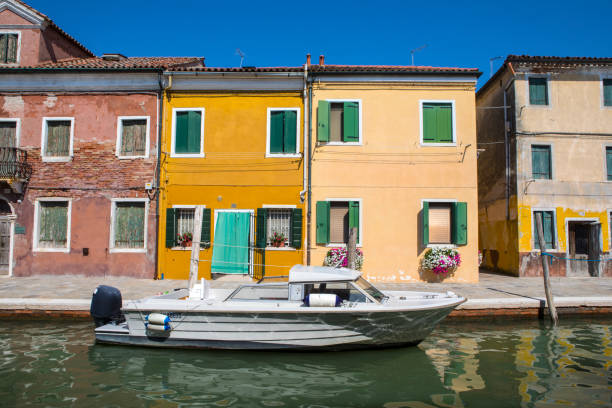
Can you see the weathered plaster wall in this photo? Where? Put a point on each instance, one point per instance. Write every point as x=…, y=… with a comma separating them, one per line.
x=92, y=178
x=392, y=174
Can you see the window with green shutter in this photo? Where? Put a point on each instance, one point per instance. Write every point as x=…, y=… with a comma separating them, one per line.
x=133, y=134
x=283, y=131
x=285, y=223
x=437, y=119
x=548, y=226
x=338, y=122
x=444, y=223
x=8, y=48
x=129, y=225
x=52, y=224
x=541, y=163
x=335, y=219
x=607, y=92
x=538, y=91
x=57, y=138
x=188, y=131
x=180, y=227
x=609, y=162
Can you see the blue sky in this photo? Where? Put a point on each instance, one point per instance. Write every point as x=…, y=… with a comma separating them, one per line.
x=281, y=33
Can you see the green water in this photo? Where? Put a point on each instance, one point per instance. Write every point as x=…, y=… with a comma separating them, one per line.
x=506, y=364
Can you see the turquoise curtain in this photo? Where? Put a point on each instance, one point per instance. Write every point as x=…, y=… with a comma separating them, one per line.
x=231, y=243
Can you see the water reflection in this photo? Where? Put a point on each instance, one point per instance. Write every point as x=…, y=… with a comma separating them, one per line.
x=459, y=365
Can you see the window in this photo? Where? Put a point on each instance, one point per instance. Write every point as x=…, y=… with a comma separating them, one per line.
x=444, y=223
x=180, y=221
x=548, y=225
x=607, y=92
x=8, y=133
x=283, y=132
x=57, y=139
x=9, y=43
x=132, y=137
x=437, y=122
x=52, y=225
x=541, y=164
x=538, y=91
x=339, y=122
x=128, y=225
x=188, y=132
x=609, y=162
x=285, y=221
x=334, y=220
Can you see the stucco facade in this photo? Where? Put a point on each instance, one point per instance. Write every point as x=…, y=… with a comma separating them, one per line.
x=391, y=171
x=572, y=127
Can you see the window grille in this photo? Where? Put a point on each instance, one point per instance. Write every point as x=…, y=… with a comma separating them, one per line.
x=184, y=220
x=279, y=221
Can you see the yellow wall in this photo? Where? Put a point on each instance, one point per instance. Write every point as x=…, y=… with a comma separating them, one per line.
x=234, y=174
x=391, y=173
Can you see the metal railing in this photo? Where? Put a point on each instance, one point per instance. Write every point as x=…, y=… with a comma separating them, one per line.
x=14, y=163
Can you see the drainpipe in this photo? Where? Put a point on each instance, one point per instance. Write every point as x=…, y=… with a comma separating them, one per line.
x=507, y=156
x=309, y=213
x=305, y=145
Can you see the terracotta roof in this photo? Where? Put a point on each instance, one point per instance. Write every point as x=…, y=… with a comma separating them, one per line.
x=558, y=60
x=120, y=64
x=392, y=69
x=236, y=69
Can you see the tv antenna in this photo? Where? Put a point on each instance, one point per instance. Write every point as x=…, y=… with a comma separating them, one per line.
x=241, y=54
x=415, y=50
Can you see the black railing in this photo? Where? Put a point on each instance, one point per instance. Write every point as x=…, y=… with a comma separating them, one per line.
x=14, y=164
x=259, y=263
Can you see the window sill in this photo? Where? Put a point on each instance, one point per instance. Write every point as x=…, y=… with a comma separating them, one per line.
x=425, y=144
x=283, y=155
x=441, y=246
x=270, y=248
x=127, y=251
x=342, y=144
x=358, y=245
x=52, y=159
x=187, y=155
x=181, y=248
x=63, y=250
x=132, y=157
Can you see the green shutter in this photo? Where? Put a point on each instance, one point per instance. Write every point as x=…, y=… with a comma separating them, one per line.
x=547, y=227
x=129, y=225
x=296, y=228
x=430, y=129
x=351, y=122
x=444, y=118
x=8, y=134
x=607, y=85
x=170, y=227
x=58, y=138
x=290, y=131
x=540, y=162
x=133, y=137
x=205, y=237
x=323, y=122
x=181, y=133
x=3, y=47
x=53, y=229
x=425, y=223
x=354, y=216
x=195, y=127
x=322, y=222
x=459, y=223
x=261, y=228
x=609, y=162
x=538, y=91
x=276, y=131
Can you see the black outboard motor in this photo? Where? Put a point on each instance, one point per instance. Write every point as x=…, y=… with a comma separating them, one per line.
x=106, y=306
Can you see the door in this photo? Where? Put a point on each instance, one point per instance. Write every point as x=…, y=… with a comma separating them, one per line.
x=5, y=246
x=584, y=245
x=233, y=242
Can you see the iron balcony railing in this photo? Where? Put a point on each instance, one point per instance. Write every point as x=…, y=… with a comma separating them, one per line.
x=14, y=164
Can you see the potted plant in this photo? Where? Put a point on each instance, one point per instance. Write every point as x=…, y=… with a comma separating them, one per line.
x=441, y=261
x=336, y=258
x=278, y=239
x=184, y=239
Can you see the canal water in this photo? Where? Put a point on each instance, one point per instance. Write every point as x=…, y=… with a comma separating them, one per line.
x=461, y=364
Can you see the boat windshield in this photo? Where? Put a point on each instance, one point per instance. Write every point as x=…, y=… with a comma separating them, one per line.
x=370, y=289
x=263, y=292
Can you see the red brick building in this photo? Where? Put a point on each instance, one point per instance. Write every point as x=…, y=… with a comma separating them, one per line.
x=78, y=152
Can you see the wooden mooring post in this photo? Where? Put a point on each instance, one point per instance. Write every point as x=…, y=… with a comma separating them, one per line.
x=547, y=289
x=195, y=246
x=351, y=248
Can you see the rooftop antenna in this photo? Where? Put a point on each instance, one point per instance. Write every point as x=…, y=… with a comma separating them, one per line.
x=238, y=52
x=415, y=50
x=491, y=64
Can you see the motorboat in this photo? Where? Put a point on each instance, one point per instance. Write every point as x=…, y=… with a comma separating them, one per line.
x=315, y=307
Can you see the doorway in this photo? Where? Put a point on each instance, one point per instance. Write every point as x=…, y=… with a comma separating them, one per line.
x=233, y=242
x=584, y=243
x=6, y=238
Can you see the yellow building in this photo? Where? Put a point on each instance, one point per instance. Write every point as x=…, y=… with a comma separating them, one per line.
x=232, y=142
x=544, y=127
x=394, y=154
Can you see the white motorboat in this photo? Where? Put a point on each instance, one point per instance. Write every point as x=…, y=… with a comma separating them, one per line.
x=317, y=308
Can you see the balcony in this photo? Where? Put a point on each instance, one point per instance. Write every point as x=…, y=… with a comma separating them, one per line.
x=14, y=168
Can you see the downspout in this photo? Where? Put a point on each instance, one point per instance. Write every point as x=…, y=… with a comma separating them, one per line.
x=306, y=152
x=507, y=155
x=309, y=213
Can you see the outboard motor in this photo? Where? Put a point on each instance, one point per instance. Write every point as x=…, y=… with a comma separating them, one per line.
x=106, y=306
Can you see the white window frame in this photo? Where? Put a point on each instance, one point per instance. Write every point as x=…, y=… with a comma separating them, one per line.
x=601, y=90
x=297, y=133
x=443, y=201
x=43, y=140
x=552, y=161
x=605, y=162
x=18, y=60
x=609, y=214
x=17, y=129
x=182, y=206
x=279, y=207
x=173, y=143
x=548, y=91
x=111, y=244
x=120, y=120
x=360, y=200
x=534, y=232
x=424, y=101
x=36, y=232
x=360, y=142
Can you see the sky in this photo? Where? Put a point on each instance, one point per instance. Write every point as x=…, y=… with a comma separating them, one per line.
x=281, y=33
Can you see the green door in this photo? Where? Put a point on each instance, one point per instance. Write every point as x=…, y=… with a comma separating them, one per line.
x=231, y=246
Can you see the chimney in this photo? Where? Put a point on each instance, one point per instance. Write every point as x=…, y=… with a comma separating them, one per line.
x=307, y=59
x=321, y=59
